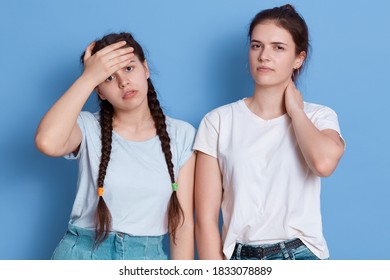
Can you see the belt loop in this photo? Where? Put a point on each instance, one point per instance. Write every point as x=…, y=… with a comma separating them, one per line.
x=282, y=246
x=238, y=254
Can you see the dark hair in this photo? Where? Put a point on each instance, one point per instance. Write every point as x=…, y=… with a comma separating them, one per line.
x=287, y=18
x=103, y=216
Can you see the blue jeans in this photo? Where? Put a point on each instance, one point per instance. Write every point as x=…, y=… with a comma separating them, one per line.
x=79, y=244
x=299, y=253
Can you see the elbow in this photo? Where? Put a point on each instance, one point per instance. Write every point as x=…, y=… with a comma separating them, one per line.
x=188, y=226
x=324, y=168
x=45, y=146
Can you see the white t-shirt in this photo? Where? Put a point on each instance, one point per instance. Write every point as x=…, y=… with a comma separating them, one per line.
x=137, y=187
x=269, y=192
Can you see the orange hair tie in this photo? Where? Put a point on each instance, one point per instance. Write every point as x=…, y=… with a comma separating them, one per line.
x=100, y=191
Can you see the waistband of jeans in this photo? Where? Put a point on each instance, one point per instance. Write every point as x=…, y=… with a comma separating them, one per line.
x=90, y=233
x=261, y=251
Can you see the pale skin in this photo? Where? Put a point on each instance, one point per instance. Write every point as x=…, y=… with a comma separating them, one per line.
x=120, y=77
x=183, y=247
x=272, y=59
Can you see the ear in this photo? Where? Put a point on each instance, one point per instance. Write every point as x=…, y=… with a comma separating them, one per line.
x=99, y=93
x=300, y=58
x=147, y=72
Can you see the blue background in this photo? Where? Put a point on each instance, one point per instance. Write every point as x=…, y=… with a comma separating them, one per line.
x=198, y=54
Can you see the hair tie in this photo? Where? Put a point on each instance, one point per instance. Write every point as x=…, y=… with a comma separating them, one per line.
x=100, y=191
x=174, y=186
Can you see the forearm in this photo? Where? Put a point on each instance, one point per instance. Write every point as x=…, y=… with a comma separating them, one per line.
x=320, y=151
x=183, y=247
x=57, y=125
x=208, y=241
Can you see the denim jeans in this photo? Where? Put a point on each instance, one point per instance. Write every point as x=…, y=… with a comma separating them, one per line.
x=300, y=253
x=79, y=244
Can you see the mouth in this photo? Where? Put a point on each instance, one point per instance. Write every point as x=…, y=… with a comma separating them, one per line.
x=129, y=94
x=264, y=69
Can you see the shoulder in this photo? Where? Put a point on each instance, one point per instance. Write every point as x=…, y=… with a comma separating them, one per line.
x=322, y=116
x=223, y=111
x=178, y=124
x=313, y=109
x=88, y=121
x=88, y=117
x=179, y=128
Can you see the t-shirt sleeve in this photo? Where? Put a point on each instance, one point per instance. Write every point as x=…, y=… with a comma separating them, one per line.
x=206, y=139
x=186, y=144
x=326, y=118
x=82, y=122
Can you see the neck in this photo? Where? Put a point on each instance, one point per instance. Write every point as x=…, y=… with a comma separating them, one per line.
x=268, y=102
x=134, y=120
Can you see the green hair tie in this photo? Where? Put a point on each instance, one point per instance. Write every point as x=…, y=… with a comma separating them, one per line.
x=174, y=186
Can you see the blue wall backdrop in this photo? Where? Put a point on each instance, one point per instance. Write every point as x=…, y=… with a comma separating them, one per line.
x=198, y=54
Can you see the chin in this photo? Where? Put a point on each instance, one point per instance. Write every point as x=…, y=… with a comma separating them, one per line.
x=267, y=82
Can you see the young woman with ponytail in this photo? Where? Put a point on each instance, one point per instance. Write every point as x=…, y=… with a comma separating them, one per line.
x=260, y=159
x=136, y=165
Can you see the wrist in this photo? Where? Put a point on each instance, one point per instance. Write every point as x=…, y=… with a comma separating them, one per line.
x=88, y=82
x=296, y=113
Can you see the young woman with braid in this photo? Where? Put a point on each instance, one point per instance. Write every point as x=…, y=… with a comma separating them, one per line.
x=136, y=165
x=260, y=159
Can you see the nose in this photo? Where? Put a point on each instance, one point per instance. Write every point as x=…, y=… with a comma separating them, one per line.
x=123, y=80
x=263, y=55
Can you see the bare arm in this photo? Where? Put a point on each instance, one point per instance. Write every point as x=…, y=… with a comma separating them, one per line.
x=208, y=197
x=184, y=247
x=58, y=133
x=322, y=150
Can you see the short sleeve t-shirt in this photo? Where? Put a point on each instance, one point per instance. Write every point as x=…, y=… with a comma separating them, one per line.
x=137, y=186
x=269, y=192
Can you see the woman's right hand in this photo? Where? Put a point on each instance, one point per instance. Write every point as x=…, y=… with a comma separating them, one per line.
x=105, y=62
x=58, y=133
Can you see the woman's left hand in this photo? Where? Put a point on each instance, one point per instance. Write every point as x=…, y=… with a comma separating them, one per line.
x=292, y=99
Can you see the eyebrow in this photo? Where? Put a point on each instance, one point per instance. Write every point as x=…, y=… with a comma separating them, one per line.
x=272, y=43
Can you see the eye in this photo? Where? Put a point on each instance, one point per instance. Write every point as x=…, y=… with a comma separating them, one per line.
x=129, y=68
x=109, y=79
x=279, y=48
x=255, y=46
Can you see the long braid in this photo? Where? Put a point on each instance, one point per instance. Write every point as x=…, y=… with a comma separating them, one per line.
x=103, y=215
x=175, y=212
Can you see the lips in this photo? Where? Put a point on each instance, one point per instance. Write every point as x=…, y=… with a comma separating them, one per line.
x=264, y=69
x=129, y=94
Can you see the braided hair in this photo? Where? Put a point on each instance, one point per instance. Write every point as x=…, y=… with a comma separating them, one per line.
x=103, y=219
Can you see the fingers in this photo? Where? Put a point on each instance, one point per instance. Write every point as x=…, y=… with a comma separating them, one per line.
x=122, y=62
x=110, y=51
x=88, y=50
x=106, y=61
x=115, y=53
x=119, y=62
x=118, y=53
x=290, y=86
x=112, y=47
